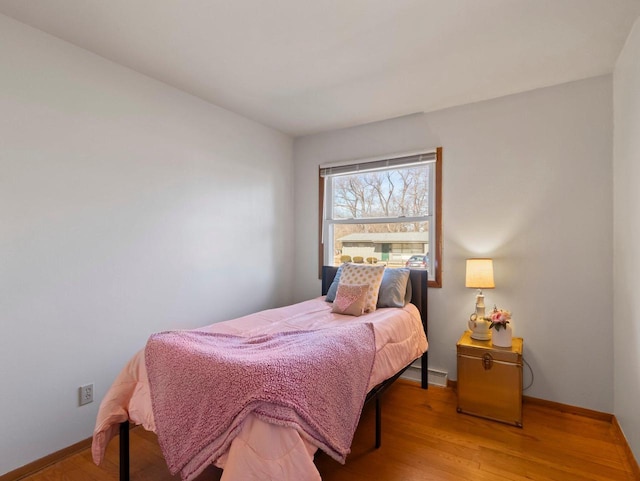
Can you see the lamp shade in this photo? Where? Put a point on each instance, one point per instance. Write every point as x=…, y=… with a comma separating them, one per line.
x=480, y=274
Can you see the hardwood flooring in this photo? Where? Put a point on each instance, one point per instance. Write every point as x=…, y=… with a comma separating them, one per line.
x=424, y=438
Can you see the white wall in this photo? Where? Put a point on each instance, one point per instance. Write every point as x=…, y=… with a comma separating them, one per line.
x=626, y=239
x=527, y=180
x=126, y=207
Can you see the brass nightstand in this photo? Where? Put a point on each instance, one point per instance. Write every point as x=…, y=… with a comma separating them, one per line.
x=490, y=379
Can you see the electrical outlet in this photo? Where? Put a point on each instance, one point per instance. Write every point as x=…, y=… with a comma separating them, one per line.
x=86, y=394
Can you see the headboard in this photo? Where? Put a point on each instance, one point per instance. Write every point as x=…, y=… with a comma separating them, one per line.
x=418, y=279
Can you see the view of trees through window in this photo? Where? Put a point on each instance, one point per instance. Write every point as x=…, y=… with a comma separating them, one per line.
x=383, y=210
x=390, y=193
x=397, y=205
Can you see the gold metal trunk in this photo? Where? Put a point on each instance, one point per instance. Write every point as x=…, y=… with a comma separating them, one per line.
x=490, y=379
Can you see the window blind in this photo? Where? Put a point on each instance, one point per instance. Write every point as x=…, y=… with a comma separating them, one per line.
x=378, y=164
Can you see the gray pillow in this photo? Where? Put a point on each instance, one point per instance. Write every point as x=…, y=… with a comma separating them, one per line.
x=393, y=290
x=409, y=293
x=333, y=288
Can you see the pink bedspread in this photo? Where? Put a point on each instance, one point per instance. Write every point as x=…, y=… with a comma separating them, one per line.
x=312, y=381
x=263, y=450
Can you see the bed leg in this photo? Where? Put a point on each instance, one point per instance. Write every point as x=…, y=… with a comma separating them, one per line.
x=378, y=422
x=124, y=451
x=425, y=370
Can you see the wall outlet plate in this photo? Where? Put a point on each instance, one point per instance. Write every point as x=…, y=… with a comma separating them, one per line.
x=86, y=394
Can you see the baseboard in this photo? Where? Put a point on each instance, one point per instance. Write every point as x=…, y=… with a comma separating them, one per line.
x=438, y=378
x=565, y=408
x=633, y=463
x=48, y=460
x=435, y=377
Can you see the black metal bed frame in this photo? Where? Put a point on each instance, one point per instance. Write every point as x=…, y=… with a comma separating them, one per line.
x=418, y=279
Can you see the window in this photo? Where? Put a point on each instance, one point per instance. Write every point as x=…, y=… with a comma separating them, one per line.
x=385, y=210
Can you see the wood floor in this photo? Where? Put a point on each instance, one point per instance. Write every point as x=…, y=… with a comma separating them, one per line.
x=424, y=438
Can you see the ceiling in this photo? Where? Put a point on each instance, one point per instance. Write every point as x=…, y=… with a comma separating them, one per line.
x=305, y=66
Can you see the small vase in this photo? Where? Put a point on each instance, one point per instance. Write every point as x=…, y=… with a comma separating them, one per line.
x=502, y=337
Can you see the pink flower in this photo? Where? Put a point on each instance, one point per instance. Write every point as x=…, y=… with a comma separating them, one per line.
x=499, y=318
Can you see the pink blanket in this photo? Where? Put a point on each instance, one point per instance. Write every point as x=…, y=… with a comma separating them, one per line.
x=263, y=450
x=313, y=381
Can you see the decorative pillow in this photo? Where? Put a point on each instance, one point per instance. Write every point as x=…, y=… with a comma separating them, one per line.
x=409, y=292
x=333, y=288
x=350, y=299
x=393, y=288
x=364, y=274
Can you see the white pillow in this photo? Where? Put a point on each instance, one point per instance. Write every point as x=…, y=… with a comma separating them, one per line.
x=364, y=274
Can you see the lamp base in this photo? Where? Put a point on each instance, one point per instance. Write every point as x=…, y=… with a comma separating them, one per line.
x=479, y=337
x=480, y=329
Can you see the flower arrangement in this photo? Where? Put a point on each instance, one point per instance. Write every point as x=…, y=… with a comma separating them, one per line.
x=499, y=318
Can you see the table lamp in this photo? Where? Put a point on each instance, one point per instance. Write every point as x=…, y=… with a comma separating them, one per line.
x=480, y=276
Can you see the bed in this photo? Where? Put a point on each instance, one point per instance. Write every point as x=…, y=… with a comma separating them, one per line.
x=262, y=443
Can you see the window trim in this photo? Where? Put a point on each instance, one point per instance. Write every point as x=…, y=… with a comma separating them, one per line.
x=437, y=248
